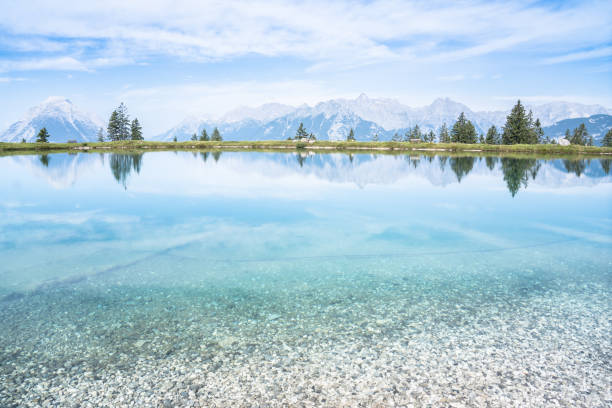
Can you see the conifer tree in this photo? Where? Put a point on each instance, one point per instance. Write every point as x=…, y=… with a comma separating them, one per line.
x=23, y=140
x=216, y=136
x=351, y=136
x=375, y=137
x=579, y=137
x=431, y=137
x=194, y=137
x=100, y=135
x=204, y=136
x=301, y=132
x=517, y=128
x=113, y=127
x=136, y=130
x=492, y=136
x=481, y=139
x=396, y=137
x=174, y=139
x=311, y=136
x=537, y=133
x=607, y=140
x=43, y=136
x=123, y=122
x=463, y=131
x=444, y=136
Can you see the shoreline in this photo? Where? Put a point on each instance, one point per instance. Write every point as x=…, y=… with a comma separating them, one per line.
x=323, y=146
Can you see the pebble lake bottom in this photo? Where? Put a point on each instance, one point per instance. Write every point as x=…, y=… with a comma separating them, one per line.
x=278, y=279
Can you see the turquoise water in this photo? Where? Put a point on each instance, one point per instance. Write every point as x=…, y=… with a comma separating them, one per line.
x=245, y=279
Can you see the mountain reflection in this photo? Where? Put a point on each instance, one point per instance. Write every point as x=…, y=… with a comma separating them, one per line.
x=517, y=174
x=122, y=165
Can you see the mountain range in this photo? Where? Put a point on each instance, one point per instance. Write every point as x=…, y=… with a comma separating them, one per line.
x=329, y=120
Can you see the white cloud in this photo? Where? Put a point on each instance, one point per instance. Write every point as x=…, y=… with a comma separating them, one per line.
x=337, y=34
x=579, y=56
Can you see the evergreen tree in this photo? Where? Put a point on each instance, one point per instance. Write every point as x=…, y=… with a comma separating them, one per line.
x=23, y=140
x=194, y=137
x=607, y=140
x=537, y=133
x=375, y=138
x=431, y=137
x=579, y=136
x=351, y=136
x=216, y=136
x=416, y=133
x=481, y=139
x=204, y=136
x=136, y=130
x=123, y=122
x=174, y=139
x=463, y=131
x=492, y=136
x=517, y=128
x=113, y=127
x=301, y=133
x=100, y=135
x=311, y=136
x=444, y=135
x=43, y=136
x=396, y=137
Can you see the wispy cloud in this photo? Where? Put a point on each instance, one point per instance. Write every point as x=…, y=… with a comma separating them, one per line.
x=579, y=56
x=326, y=34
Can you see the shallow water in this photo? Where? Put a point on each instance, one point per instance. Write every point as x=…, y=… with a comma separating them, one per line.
x=239, y=279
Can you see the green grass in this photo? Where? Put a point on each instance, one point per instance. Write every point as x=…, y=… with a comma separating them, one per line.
x=285, y=145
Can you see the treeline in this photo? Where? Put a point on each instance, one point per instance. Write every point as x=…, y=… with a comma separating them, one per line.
x=520, y=128
x=203, y=137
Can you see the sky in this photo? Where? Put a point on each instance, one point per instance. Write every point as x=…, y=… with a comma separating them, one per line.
x=171, y=59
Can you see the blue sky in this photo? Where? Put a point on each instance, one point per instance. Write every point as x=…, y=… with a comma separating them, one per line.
x=170, y=59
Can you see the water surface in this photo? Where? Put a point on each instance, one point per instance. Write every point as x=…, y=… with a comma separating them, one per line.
x=238, y=279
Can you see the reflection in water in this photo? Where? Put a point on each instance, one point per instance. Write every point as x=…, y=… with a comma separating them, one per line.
x=461, y=166
x=122, y=164
x=605, y=165
x=44, y=159
x=575, y=166
x=518, y=171
x=361, y=169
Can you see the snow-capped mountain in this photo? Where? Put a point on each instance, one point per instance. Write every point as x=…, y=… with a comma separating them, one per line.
x=332, y=120
x=596, y=125
x=61, y=118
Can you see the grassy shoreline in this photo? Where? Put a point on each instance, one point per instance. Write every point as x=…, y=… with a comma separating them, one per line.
x=323, y=146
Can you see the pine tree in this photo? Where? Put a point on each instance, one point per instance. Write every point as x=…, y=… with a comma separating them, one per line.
x=463, y=131
x=136, y=130
x=311, y=136
x=194, y=137
x=204, y=136
x=537, y=133
x=607, y=140
x=375, y=137
x=216, y=136
x=481, y=139
x=416, y=133
x=351, y=136
x=492, y=136
x=101, y=135
x=301, y=132
x=396, y=137
x=517, y=128
x=23, y=140
x=431, y=137
x=444, y=136
x=174, y=139
x=43, y=136
x=113, y=126
x=580, y=135
x=123, y=122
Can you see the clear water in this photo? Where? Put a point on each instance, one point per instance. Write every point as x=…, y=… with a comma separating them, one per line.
x=239, y=279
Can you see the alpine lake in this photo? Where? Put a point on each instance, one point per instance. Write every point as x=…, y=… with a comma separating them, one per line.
x=268, y=279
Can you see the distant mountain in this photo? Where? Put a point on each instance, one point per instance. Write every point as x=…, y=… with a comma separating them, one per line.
x=61, y=118
x=596, y=125
x=332, y=120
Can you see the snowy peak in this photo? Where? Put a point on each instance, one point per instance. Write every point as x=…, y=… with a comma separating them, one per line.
x=61, y=118
x=263, y=113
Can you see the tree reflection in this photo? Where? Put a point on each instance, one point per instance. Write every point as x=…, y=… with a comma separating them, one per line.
x=517, y=172
x=204, y=156
x=491, y=161
x=461, y=166
x=216, y=155
x=575, y=166
x=44, y=159
x=605, y=165
x=122, y=165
